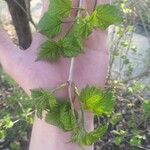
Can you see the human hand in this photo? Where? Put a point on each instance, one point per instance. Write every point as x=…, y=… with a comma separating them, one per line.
x=90, y=68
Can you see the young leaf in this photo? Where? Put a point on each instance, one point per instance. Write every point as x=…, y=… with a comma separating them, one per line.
x=50, y=24
x=78, y=136
x=42, y=100
x=90, y=97
x=53, y=117
x=67, y=119
x=95, y=135
x=82, y=28
x=72, y=46
x=97, y=101
x=62, y=117
x=104, y=16
x=50, y=51
x=60, y=7
x=84, y=138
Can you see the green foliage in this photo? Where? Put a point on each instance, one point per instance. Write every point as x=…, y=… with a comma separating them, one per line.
x=67, y=118
x=59, y=113
x=62, y=117
x=16, y=115
x=71, y=45
x=94, y=136
x=15, y=146
x=47, y=23
x=50, y=24
x=50, y=51
x=83, y=28
x=42, y=100
x=135, y=141
x=146, y=107
x=104, y=16
x=82, y=137
x=60, y=8
x=97, y=101
x=116, y=118
x=118, y=140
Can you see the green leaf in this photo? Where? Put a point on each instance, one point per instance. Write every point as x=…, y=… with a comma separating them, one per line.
x=90, y=97
x=62, y=117
x=104, y=16
x=78, y=136
x=95, y=135
x=73, y=43
x=118, y=140
x=72, y=46
x=50, y=24
x=60, y=7
x=67, y=119
x=53, y=117
x=42, y=100
x=50, y=51
x=116, y=118
x=84, y=138
x=82, y=28
x=135, y=141
x=97, y=101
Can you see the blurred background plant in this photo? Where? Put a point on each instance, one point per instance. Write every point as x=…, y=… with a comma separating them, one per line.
x=16, y=116
x=129, y=78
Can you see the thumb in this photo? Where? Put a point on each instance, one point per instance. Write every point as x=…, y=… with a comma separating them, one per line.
x=8, y=52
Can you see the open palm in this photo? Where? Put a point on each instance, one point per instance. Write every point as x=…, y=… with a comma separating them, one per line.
x=90, y=68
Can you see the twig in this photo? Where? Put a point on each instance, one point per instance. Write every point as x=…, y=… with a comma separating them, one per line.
x=144, y=74
x=140, y=15
x=70, y=79
x=30, y=113
x=59, y=87
x=78, y=8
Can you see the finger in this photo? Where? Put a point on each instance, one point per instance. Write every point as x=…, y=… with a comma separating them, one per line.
x=45, y=5
x=37, y=38
x=91, y=4
x=98, y=37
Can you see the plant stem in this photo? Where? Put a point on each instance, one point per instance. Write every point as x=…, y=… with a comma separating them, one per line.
x=70, y=79
x=78, y=8
x=59, y=87
x=81, y=115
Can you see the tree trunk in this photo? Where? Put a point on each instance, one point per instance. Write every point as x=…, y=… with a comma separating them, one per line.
x=17, y=10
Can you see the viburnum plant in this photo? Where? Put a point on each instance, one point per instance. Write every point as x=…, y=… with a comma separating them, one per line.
x=62, y=113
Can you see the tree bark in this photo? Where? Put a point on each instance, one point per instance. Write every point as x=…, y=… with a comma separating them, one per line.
x=17, y=10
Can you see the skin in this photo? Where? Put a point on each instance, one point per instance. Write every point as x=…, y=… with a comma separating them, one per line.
x=90, y=68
